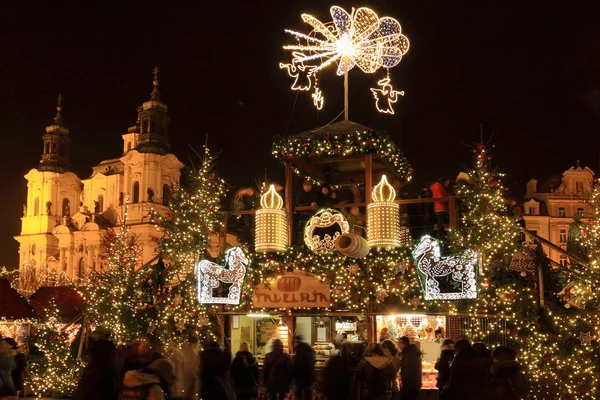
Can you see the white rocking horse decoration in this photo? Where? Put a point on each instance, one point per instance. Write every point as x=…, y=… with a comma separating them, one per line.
x=431, y=265
x=211, y=275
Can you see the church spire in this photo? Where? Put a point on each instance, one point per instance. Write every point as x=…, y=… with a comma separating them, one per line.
x=55, y=157
x=153, y=122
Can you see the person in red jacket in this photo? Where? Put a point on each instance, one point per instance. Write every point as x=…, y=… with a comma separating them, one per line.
x=439, y=189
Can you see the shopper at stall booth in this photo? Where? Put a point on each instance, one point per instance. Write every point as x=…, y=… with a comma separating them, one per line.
x=7, y=366
x=468, y=379
x=277, y=371
x=336, y=376
x=215, y=365
x=391, y=351
x=411, y=370
x=244, y=372
x=20, y=371
x=375, y=372
x=508, y=381
x=443, y=363
x=303, y=369
x=99, y=380
x=486, y=355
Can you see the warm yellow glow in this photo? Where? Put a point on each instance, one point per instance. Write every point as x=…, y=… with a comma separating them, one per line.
x=271, y=199
x=386, y=96
x=344, y=46
x=383, y=191
x=318, y=98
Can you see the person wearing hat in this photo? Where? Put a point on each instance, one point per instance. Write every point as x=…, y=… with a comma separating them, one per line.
x=151, y=383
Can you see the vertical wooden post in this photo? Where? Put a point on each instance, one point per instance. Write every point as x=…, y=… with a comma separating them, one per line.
x=346, y=60
x=291, y=327
x=371, y=331
x=223, y=236
x=368, y=178
x=541, y=285
x=289, y=203
x=453, y=212
x=221, y=320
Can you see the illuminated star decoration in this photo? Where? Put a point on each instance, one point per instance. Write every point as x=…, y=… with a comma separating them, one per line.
x=177, y=300
x=381, y=294
x=203, y=321
x=353, y=269
x=386, y=96
x=414, y=302
x=361, y=38
x=586, y=338
x=180, y=326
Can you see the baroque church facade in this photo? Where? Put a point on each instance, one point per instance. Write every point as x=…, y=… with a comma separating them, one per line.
x=65, y=217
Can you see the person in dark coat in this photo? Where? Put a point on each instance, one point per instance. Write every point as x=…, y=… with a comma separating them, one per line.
x=461, y=345
x=468, y=379
x=327, y=197
x=508, y=381
x=443, y=363
x=99, y=380
x=277, y=371
x=18, y=374
x=215, y=373
x=486, y=355
x=244, y=372
x=336, y=376
x=303, y=369
x=376, y=373
x=411, y=367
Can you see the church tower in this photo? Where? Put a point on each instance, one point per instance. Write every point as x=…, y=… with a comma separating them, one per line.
x=153, y=123
x=53, y=194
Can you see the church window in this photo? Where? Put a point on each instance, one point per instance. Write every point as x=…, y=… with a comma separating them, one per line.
x=562, y=212
x=531, y=210
x=580, y=211
x=36, y=207
x=33, y=249
x=563, y=261
x=66, y=207
x=53, y=148
x=579, y=187
x=46, y=148
x=136, y=192
x=81, y=269
x=100, y=203
x=166, y=194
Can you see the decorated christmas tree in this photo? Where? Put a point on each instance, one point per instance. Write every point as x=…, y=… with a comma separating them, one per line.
x=115, y=296
x=54, y=370
x=193, y=218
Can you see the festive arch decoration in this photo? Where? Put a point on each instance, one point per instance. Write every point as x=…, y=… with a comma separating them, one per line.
x=324, y=228
x=460, y=268
x=211, y=276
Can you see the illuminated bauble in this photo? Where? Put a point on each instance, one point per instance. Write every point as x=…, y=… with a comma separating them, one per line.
x=324, y=228
x=383, y=217
x=271, y=233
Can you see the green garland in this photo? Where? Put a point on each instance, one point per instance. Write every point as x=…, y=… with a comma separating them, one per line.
x=342, y=144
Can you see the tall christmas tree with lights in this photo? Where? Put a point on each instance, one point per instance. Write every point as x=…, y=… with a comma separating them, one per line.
x=193, y=218
x=115, y=297
x=54, y=370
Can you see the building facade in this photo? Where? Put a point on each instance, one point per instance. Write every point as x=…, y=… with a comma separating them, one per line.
x=549, y=208
x=65, y=217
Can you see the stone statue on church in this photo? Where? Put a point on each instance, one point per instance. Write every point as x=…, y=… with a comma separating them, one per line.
x=48, y=208
x=96, y=207
x=577, y=232
x=121, y=195
x=150, y=195
x=24, y=210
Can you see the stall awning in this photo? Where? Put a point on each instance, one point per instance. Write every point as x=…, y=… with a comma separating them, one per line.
x=13, y=306
x=68, y=300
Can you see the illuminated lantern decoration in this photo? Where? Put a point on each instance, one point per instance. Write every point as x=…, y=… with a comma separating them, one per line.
x=324, y=228
x=458, y=272
x=271, y=223
x=383, y=217
x=210, y=276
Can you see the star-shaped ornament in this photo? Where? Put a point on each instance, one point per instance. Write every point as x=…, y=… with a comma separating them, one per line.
x=381, y=294
x=202, y=321
x=414, y=302
x=180, y=326
x=338, y=292
x=401, y=267
x=177, y=300
x=353, y=269
x=151, y=328
x=586, y=338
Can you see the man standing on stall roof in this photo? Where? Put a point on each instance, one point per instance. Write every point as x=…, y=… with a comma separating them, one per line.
x=440, y=189
x=411, y=368
x=303, y=369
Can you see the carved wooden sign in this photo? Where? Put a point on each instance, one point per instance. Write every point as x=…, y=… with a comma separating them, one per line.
x=292, y=290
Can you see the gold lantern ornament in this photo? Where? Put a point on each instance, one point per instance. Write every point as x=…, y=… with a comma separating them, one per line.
x=383, y=217
x=271, y=223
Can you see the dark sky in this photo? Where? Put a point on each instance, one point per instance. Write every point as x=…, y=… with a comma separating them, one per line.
x=528, y=70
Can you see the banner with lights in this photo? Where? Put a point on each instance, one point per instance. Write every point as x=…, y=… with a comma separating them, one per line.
x=324, y=228
x=452, y=277
x=292, y=290
x=215, y=278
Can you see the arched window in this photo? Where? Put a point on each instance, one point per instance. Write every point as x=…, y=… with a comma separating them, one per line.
x=66, y=207
x=136, y=192
x=100, y=203
x=53, y=146
x=46, y=148
x=36, y=207
x=81, y=269
x=166, y=194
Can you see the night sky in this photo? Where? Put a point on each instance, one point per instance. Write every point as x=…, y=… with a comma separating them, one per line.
x=529, y=71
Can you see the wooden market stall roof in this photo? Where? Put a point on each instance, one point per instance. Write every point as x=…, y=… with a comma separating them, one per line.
x=335, y=153
x=68, y=300
x=13, y=306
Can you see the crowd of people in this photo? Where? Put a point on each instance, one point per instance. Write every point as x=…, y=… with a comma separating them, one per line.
x=146, y=370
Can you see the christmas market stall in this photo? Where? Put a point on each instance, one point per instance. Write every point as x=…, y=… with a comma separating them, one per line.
x=16, y=315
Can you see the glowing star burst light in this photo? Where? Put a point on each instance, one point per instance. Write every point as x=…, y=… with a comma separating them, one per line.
x=359, y=39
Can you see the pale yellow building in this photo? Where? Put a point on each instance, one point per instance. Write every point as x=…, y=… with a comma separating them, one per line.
x=549, y=208
x=65, y=217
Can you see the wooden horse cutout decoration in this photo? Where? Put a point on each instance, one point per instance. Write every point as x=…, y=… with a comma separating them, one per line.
x=431, y=265
x=211, y=275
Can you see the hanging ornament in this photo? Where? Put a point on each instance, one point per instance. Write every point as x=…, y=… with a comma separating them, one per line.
x=414, y=302
x=401, y=267
x=177, y=300
x=353, y=269
x=381, y=294
x=573, y=295
x=203, y=321
x=386, y=97
x=151, y=328
x=524, y=261
x=180, y=326
x=586, y=338
x=337, y=292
